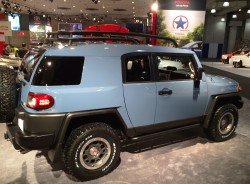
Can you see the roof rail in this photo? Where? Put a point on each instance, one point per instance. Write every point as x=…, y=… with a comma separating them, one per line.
x=105, y=36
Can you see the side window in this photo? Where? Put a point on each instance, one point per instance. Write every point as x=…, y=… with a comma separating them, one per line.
x=56, y=71
x=137, y=69
x=174, y=67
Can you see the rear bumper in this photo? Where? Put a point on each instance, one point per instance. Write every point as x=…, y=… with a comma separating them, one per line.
x=33, y=131
x=28, y=142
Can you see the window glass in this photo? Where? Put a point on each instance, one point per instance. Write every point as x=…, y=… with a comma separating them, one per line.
x=137, y=69
x=29, y=62
x=54, y=71
x=173, y=67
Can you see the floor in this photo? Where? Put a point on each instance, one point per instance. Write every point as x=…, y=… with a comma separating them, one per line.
x=184, y=158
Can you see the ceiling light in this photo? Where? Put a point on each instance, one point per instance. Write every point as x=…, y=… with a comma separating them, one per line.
x=213, y=10
x=248, y=11
x=133, y=2
x=95, y=1
x=222, y=19
x=226, y=3
x=234, y=16
x=239, y=9
x=154, y=7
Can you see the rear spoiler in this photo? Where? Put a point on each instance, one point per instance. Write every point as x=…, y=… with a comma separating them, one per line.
x=105, y=36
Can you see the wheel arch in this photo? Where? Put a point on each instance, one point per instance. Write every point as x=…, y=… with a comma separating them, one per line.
x=218, y=101
x=74, y=120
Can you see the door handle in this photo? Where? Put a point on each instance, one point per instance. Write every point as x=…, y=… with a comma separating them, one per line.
x=165, y=91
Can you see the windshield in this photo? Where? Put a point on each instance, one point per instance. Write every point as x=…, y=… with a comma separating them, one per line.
x=29, y=62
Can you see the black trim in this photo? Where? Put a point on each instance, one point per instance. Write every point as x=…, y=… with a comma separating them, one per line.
x=151, y=129
x=157, y=134
x=39, y=123
x=54, y=154
x=237, y=101
x=28, y=142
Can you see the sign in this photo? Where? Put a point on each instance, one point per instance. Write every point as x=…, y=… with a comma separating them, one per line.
x=21, y=33
x=182, y=20
x=199, y=5
x=5, y=27
x=39, y=26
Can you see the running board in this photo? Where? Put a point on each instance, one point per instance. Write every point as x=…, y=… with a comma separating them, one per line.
x=156, y=135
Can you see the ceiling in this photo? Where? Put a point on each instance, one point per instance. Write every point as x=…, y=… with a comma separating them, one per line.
x=109, y=11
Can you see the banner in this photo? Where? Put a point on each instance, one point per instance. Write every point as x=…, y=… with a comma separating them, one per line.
x=39, y=26
x=5, y=27
x=182, y=20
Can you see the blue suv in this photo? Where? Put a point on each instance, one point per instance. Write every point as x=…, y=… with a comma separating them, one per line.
x=86, y=100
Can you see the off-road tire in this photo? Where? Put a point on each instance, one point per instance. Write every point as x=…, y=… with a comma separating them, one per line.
x=91, y=151
x=8, y=93
x=223, y=124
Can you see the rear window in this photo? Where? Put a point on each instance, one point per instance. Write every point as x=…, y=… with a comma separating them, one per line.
x=29, y=62
x=55, y=71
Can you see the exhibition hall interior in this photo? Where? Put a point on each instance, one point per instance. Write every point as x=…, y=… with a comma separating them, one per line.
x=115, y=91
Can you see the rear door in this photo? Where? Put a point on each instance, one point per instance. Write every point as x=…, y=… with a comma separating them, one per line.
x=139, y=89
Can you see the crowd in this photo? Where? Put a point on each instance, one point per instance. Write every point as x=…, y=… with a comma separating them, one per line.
x=18, y=52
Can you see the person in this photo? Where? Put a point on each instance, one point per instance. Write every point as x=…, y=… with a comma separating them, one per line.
x=6, y=50
x=23, y=50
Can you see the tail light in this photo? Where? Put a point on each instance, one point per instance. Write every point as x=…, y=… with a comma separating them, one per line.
x=40, y=101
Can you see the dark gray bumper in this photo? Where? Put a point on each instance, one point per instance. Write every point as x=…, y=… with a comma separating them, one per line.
x=39, y=130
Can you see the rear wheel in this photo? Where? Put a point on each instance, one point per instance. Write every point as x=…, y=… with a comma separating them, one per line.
x=8, y=94
x=224, y=123
x=226, y=61
x=91, y=151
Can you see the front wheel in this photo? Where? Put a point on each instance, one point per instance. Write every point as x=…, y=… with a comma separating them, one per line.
x=238, y=64
x=224, y=123
x=91, y=151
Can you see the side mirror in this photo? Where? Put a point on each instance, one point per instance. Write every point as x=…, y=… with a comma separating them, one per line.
x=199, y=73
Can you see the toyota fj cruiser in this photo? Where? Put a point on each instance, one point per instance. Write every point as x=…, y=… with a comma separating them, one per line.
x=86, y=99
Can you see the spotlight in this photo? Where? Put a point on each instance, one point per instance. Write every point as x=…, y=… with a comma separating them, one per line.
x=213, y=10
x=226, y=3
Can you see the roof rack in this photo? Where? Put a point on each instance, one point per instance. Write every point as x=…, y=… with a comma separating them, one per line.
x=105, y=36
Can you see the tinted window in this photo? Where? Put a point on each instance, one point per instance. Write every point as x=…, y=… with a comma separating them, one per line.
x=175, y=67
x=54, y=71
x=137, y=69
x=29, y=62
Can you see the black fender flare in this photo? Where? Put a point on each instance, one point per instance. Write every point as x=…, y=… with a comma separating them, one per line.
x=237, y=100
x=54, y=154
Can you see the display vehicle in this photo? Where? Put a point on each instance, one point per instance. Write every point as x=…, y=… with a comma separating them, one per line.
x=84, y=99
x=227, y=58
x=241, y=60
